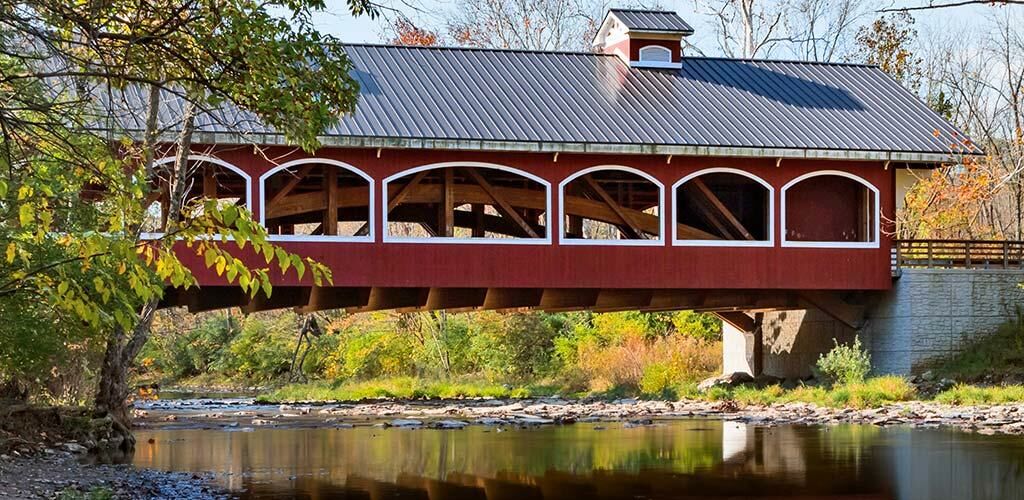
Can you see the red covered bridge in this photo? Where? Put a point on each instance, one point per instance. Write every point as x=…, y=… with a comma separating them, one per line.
x=629, y=178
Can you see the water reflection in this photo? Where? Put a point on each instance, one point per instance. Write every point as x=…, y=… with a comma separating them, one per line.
x=684, y=459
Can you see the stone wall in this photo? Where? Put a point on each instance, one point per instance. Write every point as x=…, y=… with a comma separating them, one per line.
x=928, y=313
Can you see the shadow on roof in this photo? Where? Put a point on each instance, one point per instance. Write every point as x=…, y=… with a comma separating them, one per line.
x=783, y=88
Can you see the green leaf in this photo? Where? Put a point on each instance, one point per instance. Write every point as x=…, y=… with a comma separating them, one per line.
x=300, y=267
x=230, y=215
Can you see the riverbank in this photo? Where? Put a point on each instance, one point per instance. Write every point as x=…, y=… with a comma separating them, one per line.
x=61, y=474
x=502, y=414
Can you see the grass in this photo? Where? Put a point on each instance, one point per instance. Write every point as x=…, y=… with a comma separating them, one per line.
x=871, y=393
x=402, y=388
x=963, y=394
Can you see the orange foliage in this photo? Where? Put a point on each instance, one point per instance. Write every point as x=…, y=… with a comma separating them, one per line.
x=407, y=33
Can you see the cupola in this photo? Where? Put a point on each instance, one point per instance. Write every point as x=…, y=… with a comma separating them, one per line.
x=643, y=38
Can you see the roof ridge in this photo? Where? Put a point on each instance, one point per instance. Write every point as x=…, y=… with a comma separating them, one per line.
x=645, y=10
x=781, y=61
x=599, y=54
x=476, y=49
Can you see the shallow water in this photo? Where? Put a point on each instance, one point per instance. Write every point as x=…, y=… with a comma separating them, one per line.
x=677, y=459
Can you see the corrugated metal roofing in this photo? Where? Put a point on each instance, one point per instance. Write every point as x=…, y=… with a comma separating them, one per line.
x=651, y=20
x=545, y=101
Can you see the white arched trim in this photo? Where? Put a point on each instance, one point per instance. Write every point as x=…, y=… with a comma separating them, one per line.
x=655, y=53
x=770, y=242
x=563, y=240
x=308, y=237
x=206, y=159
x=473, y=164
x=877, y=215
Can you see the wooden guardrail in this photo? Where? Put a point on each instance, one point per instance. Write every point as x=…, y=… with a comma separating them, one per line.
x=957, y=254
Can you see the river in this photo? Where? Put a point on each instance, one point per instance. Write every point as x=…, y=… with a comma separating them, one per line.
x=679, y=458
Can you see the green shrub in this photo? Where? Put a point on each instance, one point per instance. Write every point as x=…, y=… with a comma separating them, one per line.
x=264, y=347
x=514, y=347
x=701, y=325
x=658, y=380
x=845, y=364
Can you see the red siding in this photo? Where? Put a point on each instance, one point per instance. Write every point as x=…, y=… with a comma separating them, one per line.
x=553, y=265
x=824, y=208
x=635, y=44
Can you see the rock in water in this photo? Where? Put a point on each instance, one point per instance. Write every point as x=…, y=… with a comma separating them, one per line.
x=449, y=424
x=726, y=380
x=405, y=422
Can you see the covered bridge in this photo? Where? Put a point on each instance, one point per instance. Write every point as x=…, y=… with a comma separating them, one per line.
x=627, y=178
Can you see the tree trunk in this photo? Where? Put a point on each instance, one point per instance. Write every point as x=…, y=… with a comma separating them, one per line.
x=113, y=390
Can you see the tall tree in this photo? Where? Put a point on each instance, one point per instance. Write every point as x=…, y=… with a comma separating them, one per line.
x=71, y=199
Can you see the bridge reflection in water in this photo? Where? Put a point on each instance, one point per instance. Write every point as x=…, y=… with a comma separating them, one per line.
x=688, y=459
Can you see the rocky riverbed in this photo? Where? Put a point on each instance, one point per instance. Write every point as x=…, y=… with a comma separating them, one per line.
x=245, y=414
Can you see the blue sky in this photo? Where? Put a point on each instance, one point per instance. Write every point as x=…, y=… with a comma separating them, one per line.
x=336, y=20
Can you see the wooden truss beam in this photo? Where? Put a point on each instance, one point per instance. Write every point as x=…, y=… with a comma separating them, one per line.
x=630, y=228
x=504, y=208
x=290, y=185
x=718, y=213
x=399, y=197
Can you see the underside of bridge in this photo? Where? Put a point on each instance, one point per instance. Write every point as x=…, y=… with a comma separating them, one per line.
x=738, y=308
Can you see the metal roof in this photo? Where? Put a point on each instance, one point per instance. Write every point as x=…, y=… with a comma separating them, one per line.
x=651, y=20
x=509, y=100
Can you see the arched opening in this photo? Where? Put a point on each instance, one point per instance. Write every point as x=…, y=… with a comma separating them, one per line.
x=830, y=208
x=611, y=204
x=466, y=202
x=317, y=199
x=723, y=206
x=207, y=177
